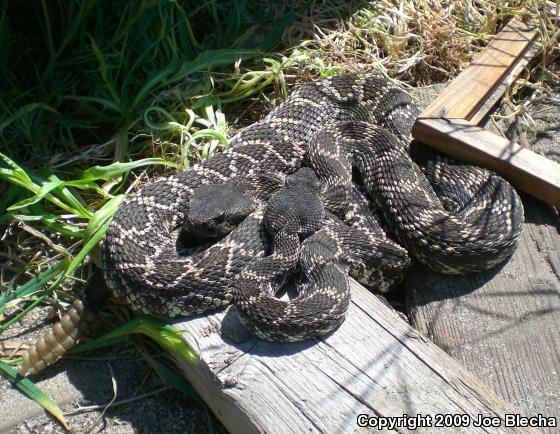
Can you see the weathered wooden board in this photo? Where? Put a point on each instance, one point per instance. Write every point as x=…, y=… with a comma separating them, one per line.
x=470, y=89
x=492, y=98
x=374, y=364
x=449, y=123
x=504, y=324
x=525, y=169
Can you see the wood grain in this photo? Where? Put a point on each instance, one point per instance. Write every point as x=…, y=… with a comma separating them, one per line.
x=468, y=91
x=374, y=364
x=525, y=169
x=492, y=98
x=503, y=324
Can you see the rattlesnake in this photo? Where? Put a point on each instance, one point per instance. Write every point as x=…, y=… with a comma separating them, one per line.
x=452, y=217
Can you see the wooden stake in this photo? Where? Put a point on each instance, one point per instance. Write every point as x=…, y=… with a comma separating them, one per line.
x=449, y=124
x=468, y=92
x=493, y=97
x=464, y=140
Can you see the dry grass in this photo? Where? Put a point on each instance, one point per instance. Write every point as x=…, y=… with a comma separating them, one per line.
x=418, y=42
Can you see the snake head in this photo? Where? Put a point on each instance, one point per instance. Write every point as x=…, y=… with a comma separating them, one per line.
x=305, y=179
x=215, y=210
x=296, y=208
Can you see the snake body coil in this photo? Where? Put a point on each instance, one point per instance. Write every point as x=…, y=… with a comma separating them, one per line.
x=450, y=216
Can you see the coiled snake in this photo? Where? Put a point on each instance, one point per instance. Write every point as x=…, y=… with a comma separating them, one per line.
x=307, y=191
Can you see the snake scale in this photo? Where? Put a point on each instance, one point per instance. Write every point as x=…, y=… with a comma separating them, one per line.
x=325, y=186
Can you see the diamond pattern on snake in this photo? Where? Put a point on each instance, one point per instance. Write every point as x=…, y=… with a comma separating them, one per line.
x=326, y=186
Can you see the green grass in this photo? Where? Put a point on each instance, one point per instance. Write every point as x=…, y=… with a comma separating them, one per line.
x=80, y=72
x=98, y=97
x=32, y=391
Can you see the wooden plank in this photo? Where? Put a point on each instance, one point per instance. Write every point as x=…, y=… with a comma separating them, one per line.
x=525, y=169
x=468, y=91
x=374, y=364
x=502, y=324
x=517, y=69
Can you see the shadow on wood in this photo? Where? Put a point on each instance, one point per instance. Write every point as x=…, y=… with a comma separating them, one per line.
x=374, y=364
x=503, y=324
